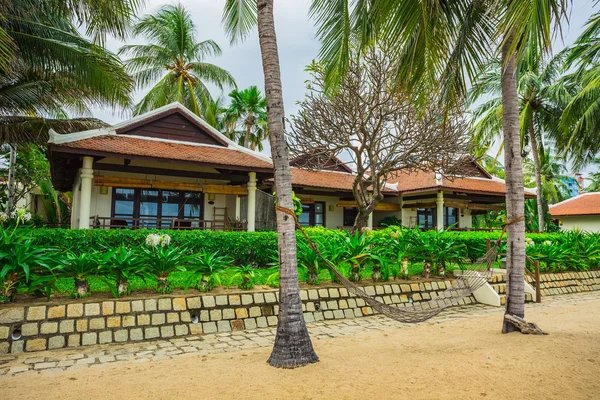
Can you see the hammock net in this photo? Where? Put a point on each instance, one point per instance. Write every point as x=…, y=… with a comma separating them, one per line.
x=463, y=286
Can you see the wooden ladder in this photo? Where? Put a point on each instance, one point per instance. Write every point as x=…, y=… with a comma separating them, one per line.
x=219, y=218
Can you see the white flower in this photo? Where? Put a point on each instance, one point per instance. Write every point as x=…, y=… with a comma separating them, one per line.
x=155, y=239
x=3, y=217
x=529, y=242
x=165, y=240
x=27, y=216
x=152, y=239
x=548, y=242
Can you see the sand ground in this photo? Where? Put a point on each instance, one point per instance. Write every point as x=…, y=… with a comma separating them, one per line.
x=461, y=359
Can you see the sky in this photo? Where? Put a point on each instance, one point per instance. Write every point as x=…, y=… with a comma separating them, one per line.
x=297, y=46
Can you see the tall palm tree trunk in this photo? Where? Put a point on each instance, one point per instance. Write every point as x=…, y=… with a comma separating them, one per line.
x=515, y=257
x=293, y=347
x=538, y=177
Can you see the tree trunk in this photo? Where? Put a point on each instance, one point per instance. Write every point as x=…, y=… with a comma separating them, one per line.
x=248, y=129
x=538, y=177
x=515, y=207
x=293, y=347
x=361, y=221
x=82, y=288
x=12, y=170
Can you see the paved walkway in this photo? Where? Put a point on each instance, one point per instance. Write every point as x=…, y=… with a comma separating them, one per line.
x=98, y=356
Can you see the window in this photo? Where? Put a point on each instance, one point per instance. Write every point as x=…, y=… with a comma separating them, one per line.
x=427, y=217
x=450, y=217
x=313, y=214
x=156, y=208
x=350, y=215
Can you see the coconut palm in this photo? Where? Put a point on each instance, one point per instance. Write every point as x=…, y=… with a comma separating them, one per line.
x=580, y=120
x=174, y=61
x=54, y=71
x=442, y=45
x=249, y=108
x=293, y=347
x=543, y=96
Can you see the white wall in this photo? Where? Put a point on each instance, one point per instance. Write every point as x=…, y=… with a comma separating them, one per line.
x=590, y=223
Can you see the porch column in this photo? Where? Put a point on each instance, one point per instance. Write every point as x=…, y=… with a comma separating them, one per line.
x=238, y=202
x=85, y=197
x=251, y=201
x=439, y=202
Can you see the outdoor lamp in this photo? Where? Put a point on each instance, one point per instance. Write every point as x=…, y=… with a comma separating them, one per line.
x=103, y=189
x=211, y=198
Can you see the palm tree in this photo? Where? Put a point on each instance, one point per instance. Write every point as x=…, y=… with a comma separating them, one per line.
x=174, y=61
x=250, y=108
x=443, y=45
x=580, y=120
x=293, y=347
x=48, y=70
x=542, y=98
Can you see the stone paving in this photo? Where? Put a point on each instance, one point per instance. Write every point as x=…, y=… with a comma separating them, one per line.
x=111, y=354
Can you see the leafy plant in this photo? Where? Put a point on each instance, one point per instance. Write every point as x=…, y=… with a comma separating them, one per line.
x=357, y=253
x=80, y=267
x=247, y=274
x=121, y=265
x=437, y=250
x=310, y=260
x=163, y=261
x=206, y=270
x=22, y=262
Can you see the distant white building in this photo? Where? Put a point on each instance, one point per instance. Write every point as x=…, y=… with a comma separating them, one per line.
x=580, y=212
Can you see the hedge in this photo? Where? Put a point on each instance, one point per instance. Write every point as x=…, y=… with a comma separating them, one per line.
x=257, y=248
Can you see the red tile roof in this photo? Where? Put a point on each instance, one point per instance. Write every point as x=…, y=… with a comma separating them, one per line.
x=326, y=180
x=420, y=181
x=125, y=145
x=584, y=204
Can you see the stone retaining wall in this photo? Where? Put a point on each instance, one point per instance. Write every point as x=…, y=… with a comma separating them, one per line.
x=70, y=324
x=567, y=282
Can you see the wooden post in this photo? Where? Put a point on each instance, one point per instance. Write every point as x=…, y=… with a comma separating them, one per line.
x=538, y=289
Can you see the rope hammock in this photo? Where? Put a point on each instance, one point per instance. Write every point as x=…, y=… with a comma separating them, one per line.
x=463, y=286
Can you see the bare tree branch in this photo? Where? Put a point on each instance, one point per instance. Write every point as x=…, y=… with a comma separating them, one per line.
x=375, y=123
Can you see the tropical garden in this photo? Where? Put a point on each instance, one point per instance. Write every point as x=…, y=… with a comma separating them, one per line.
x=490, y=61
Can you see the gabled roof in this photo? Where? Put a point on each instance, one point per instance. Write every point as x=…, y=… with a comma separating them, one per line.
x=326, y=179
x=584, y=204
x=125, y=139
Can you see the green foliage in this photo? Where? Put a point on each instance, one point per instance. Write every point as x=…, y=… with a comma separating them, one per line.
x=245, y=275
x=32, y=263
x=308, y=259
x=22, y=262
x=120, y=265
x=390, y=221
x=163, y=261
x=206, y=270
x=79, y=267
